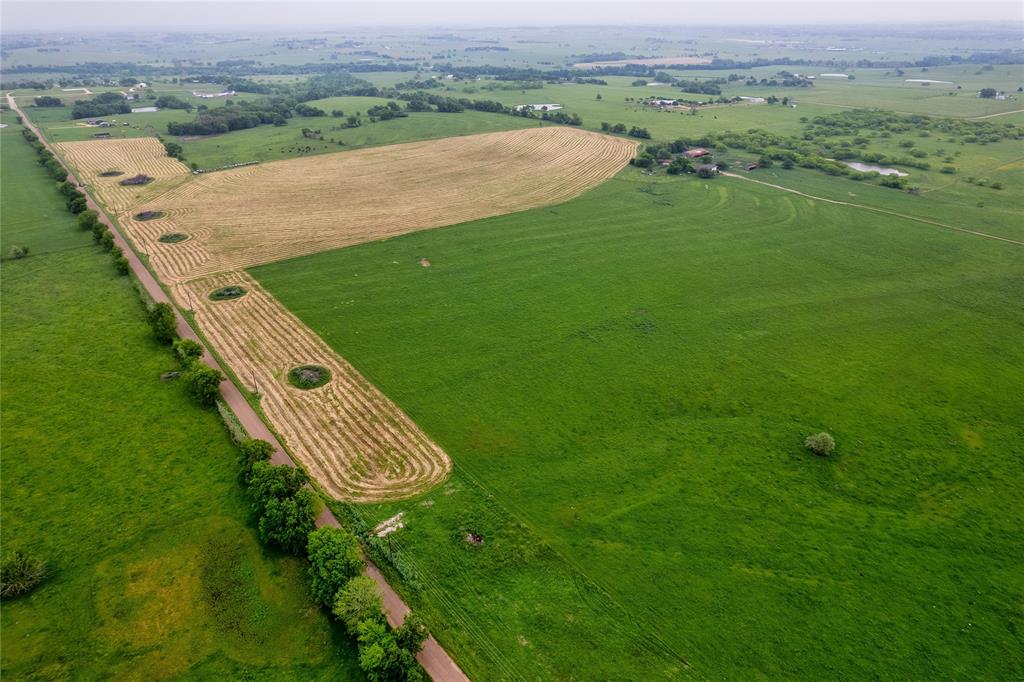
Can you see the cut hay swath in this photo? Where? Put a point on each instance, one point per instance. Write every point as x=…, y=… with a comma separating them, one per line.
x=349, y=436
x=259, y=214
x=136, y=156
x=356, y=443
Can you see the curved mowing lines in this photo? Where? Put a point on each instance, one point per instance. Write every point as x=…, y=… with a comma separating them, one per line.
x=284, y=209
x=349, y=436
x=356, y=443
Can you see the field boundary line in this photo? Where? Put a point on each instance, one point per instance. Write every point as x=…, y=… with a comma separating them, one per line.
x=1001, y=113
x=875, y=209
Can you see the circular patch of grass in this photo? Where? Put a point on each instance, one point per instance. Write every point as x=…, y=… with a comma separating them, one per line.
x=227, y=293
x=308, y=376
x=149, y=215
x=111, y=173
x=172, y=237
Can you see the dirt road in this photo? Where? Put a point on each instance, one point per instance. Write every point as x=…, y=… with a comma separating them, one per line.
x=434, y=659
x=865, y=207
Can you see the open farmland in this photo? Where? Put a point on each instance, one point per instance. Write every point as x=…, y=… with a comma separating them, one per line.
x=130, y=157
x=628, y=378
x=347, y=434
x=258, y=214
x=354, y=440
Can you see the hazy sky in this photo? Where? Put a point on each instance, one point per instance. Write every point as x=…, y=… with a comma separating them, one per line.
x=20, y=15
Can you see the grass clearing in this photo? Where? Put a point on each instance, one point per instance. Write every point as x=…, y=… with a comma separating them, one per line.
x=628, y=380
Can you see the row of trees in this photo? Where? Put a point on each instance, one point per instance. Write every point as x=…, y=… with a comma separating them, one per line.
x=103, y=104
x=621, y=129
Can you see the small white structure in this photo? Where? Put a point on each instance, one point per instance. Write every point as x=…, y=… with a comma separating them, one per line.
x=539, y=107
x=833, y=75
x=753, y=100
x=927, y=81
x=211, y=95
x=144, y=110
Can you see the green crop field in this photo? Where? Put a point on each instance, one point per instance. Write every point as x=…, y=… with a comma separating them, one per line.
x=124, y=486
x=624, y=383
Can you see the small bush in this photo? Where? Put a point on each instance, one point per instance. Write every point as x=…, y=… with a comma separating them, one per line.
x=87, y=218
x=308, y=376
x=227, y=293
x=820, y=444
x=98, y=230
x=287, y=509
x=20, y=574
x=122, y=265
x=188, y=351
x=149, y=215
x=19, y=252
x=334, y=559
x=202, y=383
x=139, y=179
x=358, y=601
x=107, y=241
x=172, y=238
x=252, y=451
x=163, y=322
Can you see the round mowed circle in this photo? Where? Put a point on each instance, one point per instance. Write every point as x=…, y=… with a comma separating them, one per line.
x=173, y=237
x=308, y=376
x=227, y=293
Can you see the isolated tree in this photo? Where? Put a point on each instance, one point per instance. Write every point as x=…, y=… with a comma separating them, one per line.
x=163, y=322
x=334, y=559
x=358, y=601
x=202, y=383
x=820, y=443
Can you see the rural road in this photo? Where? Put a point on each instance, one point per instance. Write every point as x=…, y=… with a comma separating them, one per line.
x=1001, y=113
x=434, y=659
x=865, y=207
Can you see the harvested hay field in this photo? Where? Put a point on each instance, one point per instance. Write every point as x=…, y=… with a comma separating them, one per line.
x=260, y=214
x=137, y=156
x=350, y=437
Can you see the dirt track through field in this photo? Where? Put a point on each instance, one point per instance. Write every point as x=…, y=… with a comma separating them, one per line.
x=352, y=439
x=926, y=221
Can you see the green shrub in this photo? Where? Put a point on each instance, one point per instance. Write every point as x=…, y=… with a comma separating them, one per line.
x=358, y=601
x=381, y=658
x=163, y=322
x=87, y=218
x=202, y=383
x=820, y=444
x=252, y=451
x=19, y=252
x=188, y=350
x=20, y=574
x=286, y=508
x=334, y=559
x=98, y=230
x=107, y=240
x=122, y=265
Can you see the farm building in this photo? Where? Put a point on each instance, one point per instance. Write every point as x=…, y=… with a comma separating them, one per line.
x=754, y=100
x=696, y=153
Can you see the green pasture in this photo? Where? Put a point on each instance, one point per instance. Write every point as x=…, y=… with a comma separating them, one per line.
x=624, y=382
x=126, y=488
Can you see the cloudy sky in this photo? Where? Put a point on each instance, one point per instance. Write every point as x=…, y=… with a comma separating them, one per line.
x=20, y=15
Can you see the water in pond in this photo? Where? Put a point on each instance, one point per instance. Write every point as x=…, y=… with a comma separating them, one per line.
x=868, y=168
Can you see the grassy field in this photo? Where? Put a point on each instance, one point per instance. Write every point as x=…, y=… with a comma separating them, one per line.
x=124, y=486
x=268, y=143
x=624, y=382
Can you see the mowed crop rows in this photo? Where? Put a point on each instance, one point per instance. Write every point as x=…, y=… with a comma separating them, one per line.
x=260, y=214
x=356, y=443
x=144, y=155
x=350, y=437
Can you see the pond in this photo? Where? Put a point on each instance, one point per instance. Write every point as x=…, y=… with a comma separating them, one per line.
x=868, y=168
